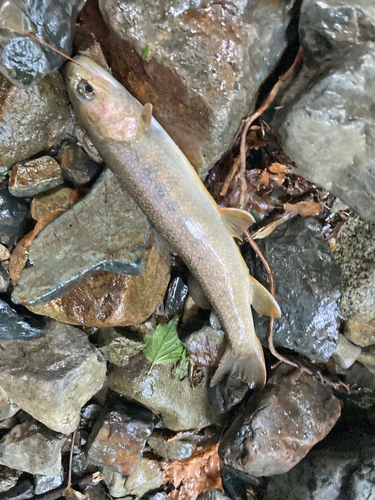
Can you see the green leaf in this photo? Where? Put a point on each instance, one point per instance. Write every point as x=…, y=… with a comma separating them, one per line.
x=164, y=346
x=145, y=52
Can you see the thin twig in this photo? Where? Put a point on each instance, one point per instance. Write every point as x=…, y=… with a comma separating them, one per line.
x=229, y=178
x=71, y=459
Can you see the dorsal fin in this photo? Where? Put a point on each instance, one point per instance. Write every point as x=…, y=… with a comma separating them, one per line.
x=235, y=220
x=262, y=300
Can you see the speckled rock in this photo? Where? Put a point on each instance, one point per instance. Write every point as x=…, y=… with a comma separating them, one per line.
x=307, y=282
x=7, y=407
x=43, y=483
x=52, y=376
x=104, y=231
x=32, y=120
x=146, y=477
x=355, y=254
x=280, y=425
x=62, y=199
x=33, y=448
x=119, y=437
x=13, y=217
x=35, y=176
x=180, y=406
x=8, y=478
x=211, y=56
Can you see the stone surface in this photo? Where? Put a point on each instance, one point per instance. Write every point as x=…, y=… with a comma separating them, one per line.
x=307, y=289
x=346, y=353
x=177, y=292
x=35, y=176
x=8, y=478
x=206, y=346
x=32, y=120
x=62, y=199
x=43, y=484
x=119, y=437
x=52, y=376
x=4, y=253
x=211, y=56
x=355, y=254
x=23, y=490
x=17, y=326
x=115, y=482
x=77, y=167
x=341, y=466
x=146, y=477
x=104, y=231
x=4, y=277
x=13, y=217
x=169, y=450
x=180, y=406
x=118, y=348
x=280, y=425
x=363, y=381
x=108, y=299
x=33, y=448
x=7, y=407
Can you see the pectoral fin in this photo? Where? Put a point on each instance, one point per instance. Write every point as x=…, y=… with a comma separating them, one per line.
x=262, y=300
x=235, y=220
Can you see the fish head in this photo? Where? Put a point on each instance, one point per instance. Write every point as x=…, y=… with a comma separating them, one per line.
x=103, y=106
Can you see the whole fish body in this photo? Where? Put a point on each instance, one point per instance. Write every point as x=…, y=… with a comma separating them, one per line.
x=152, y=168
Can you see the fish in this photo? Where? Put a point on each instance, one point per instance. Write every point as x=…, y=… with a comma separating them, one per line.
x=161, y=180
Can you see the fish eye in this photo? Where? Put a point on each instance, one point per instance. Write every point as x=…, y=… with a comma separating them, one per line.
x=85, y=90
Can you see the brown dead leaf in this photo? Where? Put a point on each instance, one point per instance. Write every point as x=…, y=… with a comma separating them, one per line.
x=265, y=231
x=194, y=475
x=304, y=208
x=264, y=177
x=278, y=168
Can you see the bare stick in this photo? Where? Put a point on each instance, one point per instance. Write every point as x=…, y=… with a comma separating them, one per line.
x=230, y=176
x=71, y=459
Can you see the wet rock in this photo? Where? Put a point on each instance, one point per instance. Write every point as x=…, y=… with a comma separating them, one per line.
x=23, y=59
x=23, y=490
x=119, y=437
x=104, y=231
x=46, y=483
x=8, y=478
x=33, y=448
x=52, y=376
x=4, y=253
x=307, y=289
x=4, y=277
x=341, y=466
x=7, y=407
x=355, y=254
x=115, y=482
x=35, y=176
x=77, y=167
x=168, y=449
x=367, y=358
x=63, y=199
x=279, y=426
x=180, y=406
x=146, y=477
x=345, y=353
x=227, y=393
x=210, y=56
x=206, y=346
x=176, y=296
x=13, y=217
x=117, y=348
x=106, y=299
x=32, y=120
x=17, y=326
x=334, y=102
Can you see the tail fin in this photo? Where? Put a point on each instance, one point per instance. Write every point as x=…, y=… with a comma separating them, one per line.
x=250, y=369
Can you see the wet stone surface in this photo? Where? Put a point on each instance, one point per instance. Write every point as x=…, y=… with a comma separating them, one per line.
x=280, y=425
x=169, y=450
x=146, y=477
x=52, y=376
x=307, y=281
x=13, y=217
x=43, y=483
x=62, y=199
x=18, y=326
x=177, y=292
x=35, y=176
x=119, y=437
x=77, y=167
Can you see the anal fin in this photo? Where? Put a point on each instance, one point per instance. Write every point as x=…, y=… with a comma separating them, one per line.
x=235, y=220
x=262, y=300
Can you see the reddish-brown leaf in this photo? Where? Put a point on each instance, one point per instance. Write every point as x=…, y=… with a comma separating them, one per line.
x=194, y=475
x=304, y=208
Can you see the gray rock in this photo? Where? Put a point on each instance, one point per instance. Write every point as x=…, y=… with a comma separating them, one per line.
x=146, y=477
x=119, y=437
x=4, y=277
x=8, y=478
x=35, y=176
x=13, y=217
x=77, y=167
x=280, y=425
x=211, y=56
x=345, y=353
x=355, y=254
x=342, y=466
x=177, y=449
x=115, y=482
x=7, y=407
x=307, y=289
x=33, y=448
x=23, y=490
x=104, y=231
x=117, y=348
x=176, y=295
x=32, y=120
x=46, y=483
x=17, y=326
x=52, y=376
x=180, y=406
x=335, y=106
